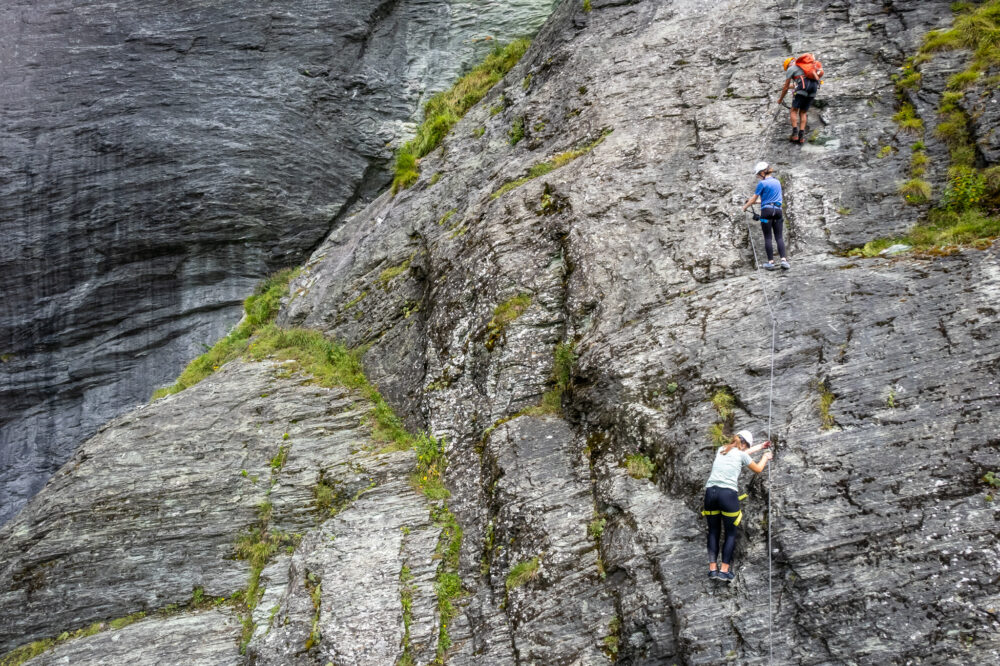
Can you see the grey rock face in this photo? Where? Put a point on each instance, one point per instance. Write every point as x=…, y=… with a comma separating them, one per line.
x=198, y=638
x=634, y=252
x=160, y=158
x=151, y=507
x=637, y=253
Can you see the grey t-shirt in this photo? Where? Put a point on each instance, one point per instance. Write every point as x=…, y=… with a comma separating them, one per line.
x=726, y=469
x=794, y=70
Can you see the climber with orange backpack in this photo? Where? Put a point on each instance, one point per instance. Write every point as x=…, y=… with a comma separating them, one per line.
x=806, y=74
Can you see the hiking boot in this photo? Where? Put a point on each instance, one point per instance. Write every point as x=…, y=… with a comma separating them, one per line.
x=794, y=138
x=784, y=265
x=802, y=137
x=769, y=266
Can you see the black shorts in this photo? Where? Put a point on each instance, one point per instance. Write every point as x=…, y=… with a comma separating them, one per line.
x=802, y=102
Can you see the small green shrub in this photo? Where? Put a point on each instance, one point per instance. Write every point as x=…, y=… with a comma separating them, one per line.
x=908, y=120
x=586, y=5
x=916, y=191
x=965, y=190
x=717, y=433
x=723, y=401
x=596, y=528
x=516, y=132
x=884, y=151
x=639, y=466
x=522, y=573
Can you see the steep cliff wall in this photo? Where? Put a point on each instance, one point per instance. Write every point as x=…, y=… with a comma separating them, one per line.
x=160, y=158
x=567, y=287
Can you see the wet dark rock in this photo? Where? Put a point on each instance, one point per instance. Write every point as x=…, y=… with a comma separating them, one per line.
x=159, y=159
x=882, y=537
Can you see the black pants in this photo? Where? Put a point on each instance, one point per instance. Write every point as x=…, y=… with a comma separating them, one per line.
x=771, y=222
x=718, y=503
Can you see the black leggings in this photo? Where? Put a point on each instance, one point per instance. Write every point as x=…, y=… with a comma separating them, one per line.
x=773, y=224
x=718, y=503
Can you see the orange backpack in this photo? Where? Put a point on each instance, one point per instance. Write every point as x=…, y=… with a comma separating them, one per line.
x=811, y=68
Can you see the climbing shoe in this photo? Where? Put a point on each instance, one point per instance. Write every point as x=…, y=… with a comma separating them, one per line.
x=726, y=576
x=713, y=574
x=784, y=265
x=769, y=266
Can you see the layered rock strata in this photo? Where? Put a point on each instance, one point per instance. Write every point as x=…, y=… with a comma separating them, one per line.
x=626, y=247
x=161, y=158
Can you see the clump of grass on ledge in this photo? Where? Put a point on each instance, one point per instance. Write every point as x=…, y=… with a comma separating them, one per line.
x=944, y=232
x=445, y=109
x=916, y=191
x=260, y=309
x=503, y=315
x=544, y=168
x=639, y=466
x=522, y=572
x=908, y=120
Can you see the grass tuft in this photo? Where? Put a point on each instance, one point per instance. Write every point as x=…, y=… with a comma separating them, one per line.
x=443, y=110
x=543, y=168
x=260, y=309
x=522, y=573
x=639, y=466
x=503, y=315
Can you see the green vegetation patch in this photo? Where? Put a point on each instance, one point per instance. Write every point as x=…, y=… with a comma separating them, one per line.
x=824, y=403
x=445, y=109
x=522, y=573
x=503, y=315
x=639, y=466
x=406, y=601
x=613, y=638
x=260, y=310
x=448, y=584
x=431, y=465
x=391, y=273
x=543, y=168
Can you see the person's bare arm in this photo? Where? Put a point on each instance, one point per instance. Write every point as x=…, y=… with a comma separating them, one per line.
x=758, y=467
x=751, y=201
x=759, y=447
x=788, y=83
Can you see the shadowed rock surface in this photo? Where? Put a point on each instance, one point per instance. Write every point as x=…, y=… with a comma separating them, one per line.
x=160, y=158
x=634, y=252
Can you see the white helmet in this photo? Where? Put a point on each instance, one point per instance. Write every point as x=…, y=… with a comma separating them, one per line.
x=746, y=435
x=760, y=166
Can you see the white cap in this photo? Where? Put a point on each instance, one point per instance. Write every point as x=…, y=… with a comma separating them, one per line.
x=746, y=434
x=760, y=166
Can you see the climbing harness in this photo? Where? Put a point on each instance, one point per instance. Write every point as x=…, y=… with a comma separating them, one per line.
x=729, y=514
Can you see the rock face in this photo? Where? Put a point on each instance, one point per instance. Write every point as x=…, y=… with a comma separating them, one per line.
x=628, y=251
x=160, y=158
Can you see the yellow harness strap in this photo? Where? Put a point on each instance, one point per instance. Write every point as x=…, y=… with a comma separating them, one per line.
x=710, y=513
x=738, y=514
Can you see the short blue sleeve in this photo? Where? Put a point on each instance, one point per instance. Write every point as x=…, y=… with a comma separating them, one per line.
x=760, y=188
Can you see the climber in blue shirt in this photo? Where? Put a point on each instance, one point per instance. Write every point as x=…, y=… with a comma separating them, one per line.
x=769, y=193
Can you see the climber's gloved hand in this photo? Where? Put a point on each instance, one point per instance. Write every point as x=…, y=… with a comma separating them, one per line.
x=766, y=445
